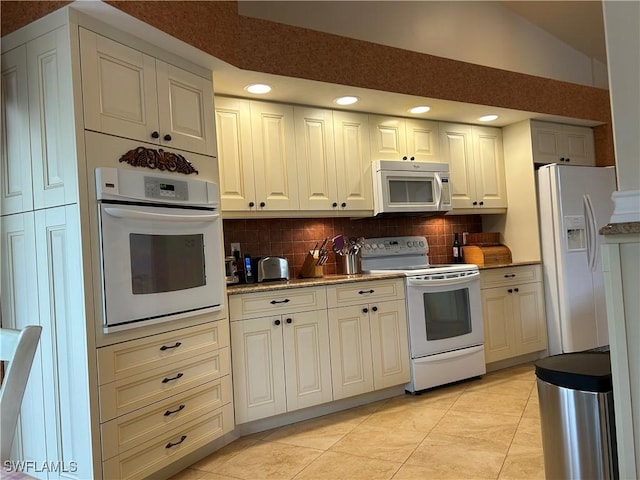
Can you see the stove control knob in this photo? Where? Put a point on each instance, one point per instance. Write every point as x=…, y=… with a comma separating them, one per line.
x=422, y=243
x=374, y=246
x=415, y=244
x=408, y=244
x=381, y=245
x=367, y=246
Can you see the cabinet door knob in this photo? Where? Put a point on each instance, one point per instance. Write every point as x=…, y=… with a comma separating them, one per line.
x=251, y=204
x=567, y=159
x=155, y=135
x=262, y=204
x=413, y=158
x=375, y=309
x=481, y=203
x=289, y=321
x=404, y=158
x=343, y=204
x=365, y=310
x=276, y=323
x=516, y=290
x=334, y=204
x=167, y=137
x=510, y=290
x=474, y=203
x=562, y=159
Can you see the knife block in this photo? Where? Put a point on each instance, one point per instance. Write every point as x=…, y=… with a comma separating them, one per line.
x=310, y=268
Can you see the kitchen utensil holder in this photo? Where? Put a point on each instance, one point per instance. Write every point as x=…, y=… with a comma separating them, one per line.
x=349, y=264
x=310, y=267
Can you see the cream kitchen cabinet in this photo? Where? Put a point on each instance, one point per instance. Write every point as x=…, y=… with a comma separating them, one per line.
x=513, y=311
x=162, y=397
x=334, y=167
x=397, y=138
x=257, y=161
x=130, y=94
x=40, y=285
x=369, y=339
x=476, y=164
x=38, y=141
x=566, y=144
x=281, y=357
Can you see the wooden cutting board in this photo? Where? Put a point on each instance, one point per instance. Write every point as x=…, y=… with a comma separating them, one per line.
x=483, y=255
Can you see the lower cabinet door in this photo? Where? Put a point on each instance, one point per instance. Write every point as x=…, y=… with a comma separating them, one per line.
x=351, y=361
x=530, y=318
x=497, y=312
x=258, y=368
x=389, y=344
x=307, y=362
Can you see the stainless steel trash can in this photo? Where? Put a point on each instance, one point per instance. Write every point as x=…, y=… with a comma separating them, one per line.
x=576, y=416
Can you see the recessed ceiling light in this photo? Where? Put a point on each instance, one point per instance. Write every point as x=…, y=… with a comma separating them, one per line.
x=348, y=100
x=420, y=109
x=488, y=118
x=258, y=88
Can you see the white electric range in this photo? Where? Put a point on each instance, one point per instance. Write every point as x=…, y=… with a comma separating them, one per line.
x=444, y=310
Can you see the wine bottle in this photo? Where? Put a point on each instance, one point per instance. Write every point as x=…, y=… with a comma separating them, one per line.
x=457, y=251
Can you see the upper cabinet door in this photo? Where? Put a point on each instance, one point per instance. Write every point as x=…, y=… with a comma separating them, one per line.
x=185, y=107
x=353, y=161
x=489, y=167
x=388, y=138
x=422, y=141
x=38, y=138
x=563, y=144
x=119, y=88
x=51, y=120
x=315, y=153
x=16, y=186
x=235, y=154
x=457, y=150
x=274, y=156
x=132, y=95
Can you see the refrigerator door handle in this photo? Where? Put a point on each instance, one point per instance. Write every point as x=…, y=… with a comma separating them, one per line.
x=591, y=232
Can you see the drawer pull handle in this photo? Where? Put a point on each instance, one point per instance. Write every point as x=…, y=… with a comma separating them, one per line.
x=167, y=380
x=182, y=439
x=164, y=347
x=362, y=292
x=171, y=412
x=510, y=275
x=273, y=302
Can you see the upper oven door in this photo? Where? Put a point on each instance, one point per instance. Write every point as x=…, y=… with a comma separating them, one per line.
x=159, y=263
x=409, y=192
x=444, y=316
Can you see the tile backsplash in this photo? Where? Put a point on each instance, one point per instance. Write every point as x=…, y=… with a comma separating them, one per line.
x=292, y=238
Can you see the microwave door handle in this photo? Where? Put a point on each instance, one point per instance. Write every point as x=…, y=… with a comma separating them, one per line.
x=141, y=215
x=439, y=192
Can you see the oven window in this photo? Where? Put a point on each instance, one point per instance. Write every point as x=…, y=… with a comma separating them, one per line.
x=166, y=263
x=410, y=191
x=447, y=314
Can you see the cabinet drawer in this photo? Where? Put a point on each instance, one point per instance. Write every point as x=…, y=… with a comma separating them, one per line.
x=365, y=292
x=251, y=305
x=502, y=277
x=137, y=391
x=147, y=458
x=123, y=433
x=121, y=360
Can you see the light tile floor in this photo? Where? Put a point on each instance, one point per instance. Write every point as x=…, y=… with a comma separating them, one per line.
x=479, y=429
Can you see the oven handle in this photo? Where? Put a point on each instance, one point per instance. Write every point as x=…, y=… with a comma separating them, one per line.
x=141, y=215
x=449, y=355
x=414, y=282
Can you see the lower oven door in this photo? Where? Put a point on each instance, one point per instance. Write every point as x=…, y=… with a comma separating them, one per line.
x=159, y=263
x=444, y=315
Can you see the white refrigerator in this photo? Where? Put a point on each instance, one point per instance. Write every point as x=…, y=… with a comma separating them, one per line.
x=574, y=203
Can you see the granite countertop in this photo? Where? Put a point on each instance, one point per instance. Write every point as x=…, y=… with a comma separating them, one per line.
x=333, y=279
x=624, y=228
x=308, y=282
x=505, y=265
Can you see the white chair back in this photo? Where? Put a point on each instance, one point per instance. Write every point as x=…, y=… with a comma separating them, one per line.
x=17, y=347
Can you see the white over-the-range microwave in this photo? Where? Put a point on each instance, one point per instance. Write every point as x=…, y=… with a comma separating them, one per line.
x=404, y=187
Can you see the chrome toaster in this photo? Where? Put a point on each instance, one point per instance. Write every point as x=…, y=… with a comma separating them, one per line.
x=273, y=268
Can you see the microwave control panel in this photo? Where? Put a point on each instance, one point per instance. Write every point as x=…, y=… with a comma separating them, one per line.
x=163, y=189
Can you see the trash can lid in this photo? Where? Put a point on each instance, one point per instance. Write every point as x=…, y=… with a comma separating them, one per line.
x=586, y=371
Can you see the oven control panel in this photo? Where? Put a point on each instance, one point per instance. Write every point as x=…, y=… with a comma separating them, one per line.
x=161, y=188
x=389, y=246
